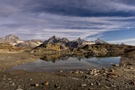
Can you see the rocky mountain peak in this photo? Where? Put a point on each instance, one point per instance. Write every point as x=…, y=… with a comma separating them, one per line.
x=12, y=39
x=99, y=41
x=64, y=40
x=52, y=39
x=79, y=40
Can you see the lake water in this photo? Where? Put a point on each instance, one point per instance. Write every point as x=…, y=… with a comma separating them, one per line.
x=72, y=63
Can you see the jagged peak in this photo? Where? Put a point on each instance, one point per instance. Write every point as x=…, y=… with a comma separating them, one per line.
x=79, y=39
x=53, y=36
x=10, y=36
x=99, y=41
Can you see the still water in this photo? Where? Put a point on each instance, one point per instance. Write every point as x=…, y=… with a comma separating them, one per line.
x=72, y=63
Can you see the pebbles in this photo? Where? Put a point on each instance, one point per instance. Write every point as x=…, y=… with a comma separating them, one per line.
x=94, y=72
x=41, y=84
x=77, y=72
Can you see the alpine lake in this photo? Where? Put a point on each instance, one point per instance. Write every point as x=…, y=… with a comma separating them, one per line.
x=68, y=63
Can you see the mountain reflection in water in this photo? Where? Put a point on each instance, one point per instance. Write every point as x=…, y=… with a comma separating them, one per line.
x=66, y=63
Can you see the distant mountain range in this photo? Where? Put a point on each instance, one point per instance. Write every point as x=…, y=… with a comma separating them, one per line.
x=62, y=42
x=15, y=41
x=66, y=43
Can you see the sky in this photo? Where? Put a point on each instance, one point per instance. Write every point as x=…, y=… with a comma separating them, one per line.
x=110, y=20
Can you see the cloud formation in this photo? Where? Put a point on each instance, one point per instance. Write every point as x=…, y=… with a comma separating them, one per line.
x=87, y=19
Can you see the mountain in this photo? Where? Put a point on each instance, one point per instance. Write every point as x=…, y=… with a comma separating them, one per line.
x=54, y=39
x=15, y=41
x=62, y=43
x=30, y=43
x=79, y=43
x=11, y=39
x=65, y=43
x=99, y=41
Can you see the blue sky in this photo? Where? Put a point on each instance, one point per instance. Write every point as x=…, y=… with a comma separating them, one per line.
x=110, y=20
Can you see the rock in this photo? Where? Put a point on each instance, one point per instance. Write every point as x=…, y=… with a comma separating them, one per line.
x=30, y=79
x=4, y=75
x=97, y=83
x=76, y=72
x=132, y=83
x=71, y=72
x=81, y=72
x=61, y=71
x=130, y=68
x=57, y=86
x=94, y=72
x=86, y=76
x=116, y=65
x=13, y=84
x=46, y=83
x=106, y=87
x=83, y=85
x=19, y=89
x=112, y=85
x=91, y=84
x=111, y=75
x=36, y=85
x=112, y=70
x=9, y=79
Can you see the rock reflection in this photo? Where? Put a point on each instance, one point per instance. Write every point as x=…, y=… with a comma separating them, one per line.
x=58, y=57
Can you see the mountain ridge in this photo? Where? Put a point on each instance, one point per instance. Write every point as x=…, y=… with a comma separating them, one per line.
x=63, y=42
